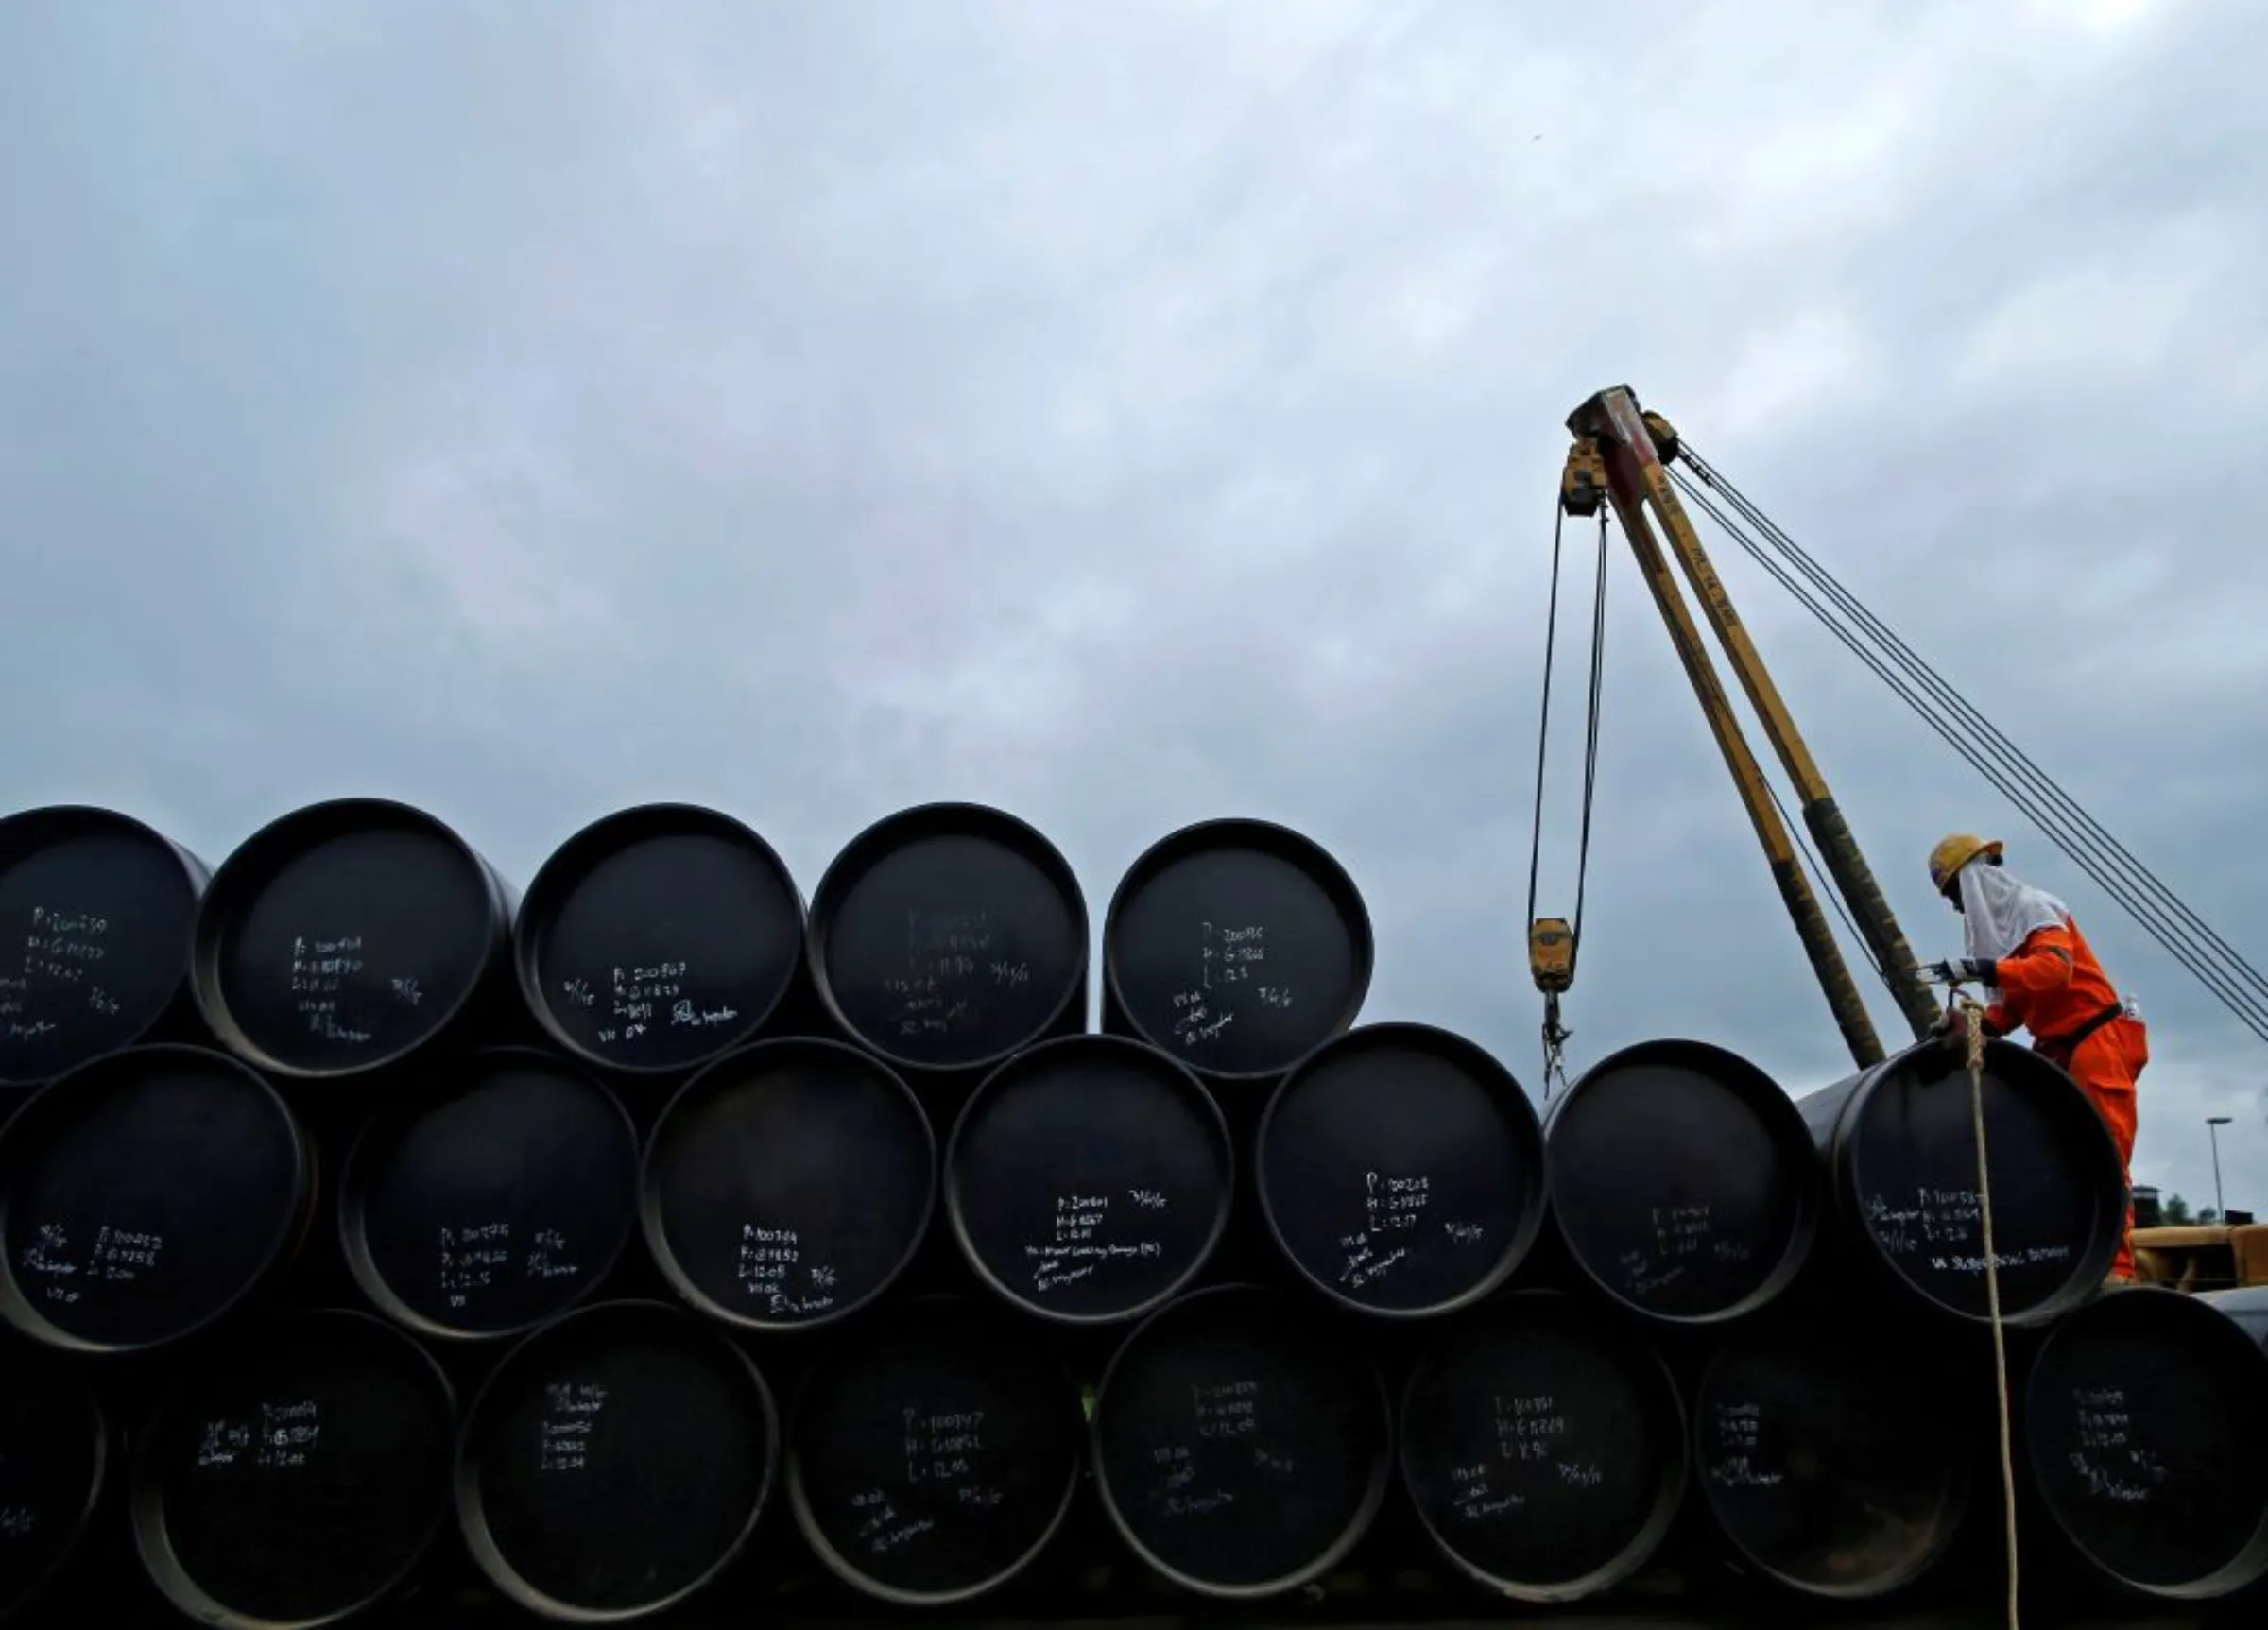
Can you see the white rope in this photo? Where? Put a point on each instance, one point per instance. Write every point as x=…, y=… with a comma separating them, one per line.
x=1974, y=1016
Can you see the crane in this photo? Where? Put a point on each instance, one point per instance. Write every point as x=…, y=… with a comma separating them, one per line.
x=1632, y=464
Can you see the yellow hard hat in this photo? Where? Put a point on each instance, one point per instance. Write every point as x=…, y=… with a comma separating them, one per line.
x=1956, y=851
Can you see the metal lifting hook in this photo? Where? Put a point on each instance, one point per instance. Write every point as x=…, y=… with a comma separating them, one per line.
x=1555, y=1037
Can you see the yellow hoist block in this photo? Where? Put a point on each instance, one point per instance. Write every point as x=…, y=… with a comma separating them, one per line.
x=1664, y=435
x=1551, y=955
x=1583, y=482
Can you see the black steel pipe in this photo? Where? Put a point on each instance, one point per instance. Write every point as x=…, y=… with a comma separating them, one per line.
x=350, y=937
x=299, y=1479
x=145, y=1196
x=1901, y=1159
x=933, y=1452
x=1089, y=1180
x=2146, y=1432
x=1237, y=947
x=1834, y=1458
x=615, y=1464
x=499, y=1203
x=96, y=909
x=947, y=937
x=55, y=1463
x=788, y=1185
x=1543, y=1447
x=1242, y=1444
x=1400, y=1171
x=659, y=938
x=1683, y=1183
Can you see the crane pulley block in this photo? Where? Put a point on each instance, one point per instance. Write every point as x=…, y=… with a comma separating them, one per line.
x=1583, y=483
x=1662, y=434
x=1551, y=955
x=1595, y=418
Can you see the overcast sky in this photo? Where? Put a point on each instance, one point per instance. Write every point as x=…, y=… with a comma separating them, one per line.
x=1130, y=414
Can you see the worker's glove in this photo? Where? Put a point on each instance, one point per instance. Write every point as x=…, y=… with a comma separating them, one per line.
x=1961, y=970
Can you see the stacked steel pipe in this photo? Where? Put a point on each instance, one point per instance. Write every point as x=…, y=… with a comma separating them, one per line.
x=373, y=1236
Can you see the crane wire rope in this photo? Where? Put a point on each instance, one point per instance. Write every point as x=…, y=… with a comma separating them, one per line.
x=1544, y=727
x=1554, y=1035
x=2007, y=783
x=2146, y=880
x=2249, y=1009
x=2018, y=784
x=2103, y=853
x=1591, y=733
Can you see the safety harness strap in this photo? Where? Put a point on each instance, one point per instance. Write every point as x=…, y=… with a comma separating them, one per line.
x=2061, y=1050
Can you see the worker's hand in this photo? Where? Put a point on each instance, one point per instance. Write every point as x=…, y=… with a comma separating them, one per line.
x=1953, y=1026
x=1961, y=970
x=1952, y=1030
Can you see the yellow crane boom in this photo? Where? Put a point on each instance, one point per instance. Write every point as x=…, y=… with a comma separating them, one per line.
x=1618, y=458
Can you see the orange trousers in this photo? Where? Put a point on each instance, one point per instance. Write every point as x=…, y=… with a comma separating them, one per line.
x=2109, y=1065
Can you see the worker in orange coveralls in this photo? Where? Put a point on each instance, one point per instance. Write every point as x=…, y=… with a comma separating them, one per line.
x=2024, y=943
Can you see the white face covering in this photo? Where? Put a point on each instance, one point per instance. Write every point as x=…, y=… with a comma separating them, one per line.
x=1998, y=913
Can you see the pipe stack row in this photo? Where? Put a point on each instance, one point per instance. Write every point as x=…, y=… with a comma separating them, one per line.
x=375, y=1235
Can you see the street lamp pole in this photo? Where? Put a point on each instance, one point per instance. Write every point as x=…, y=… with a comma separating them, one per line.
x=2212, y=1129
